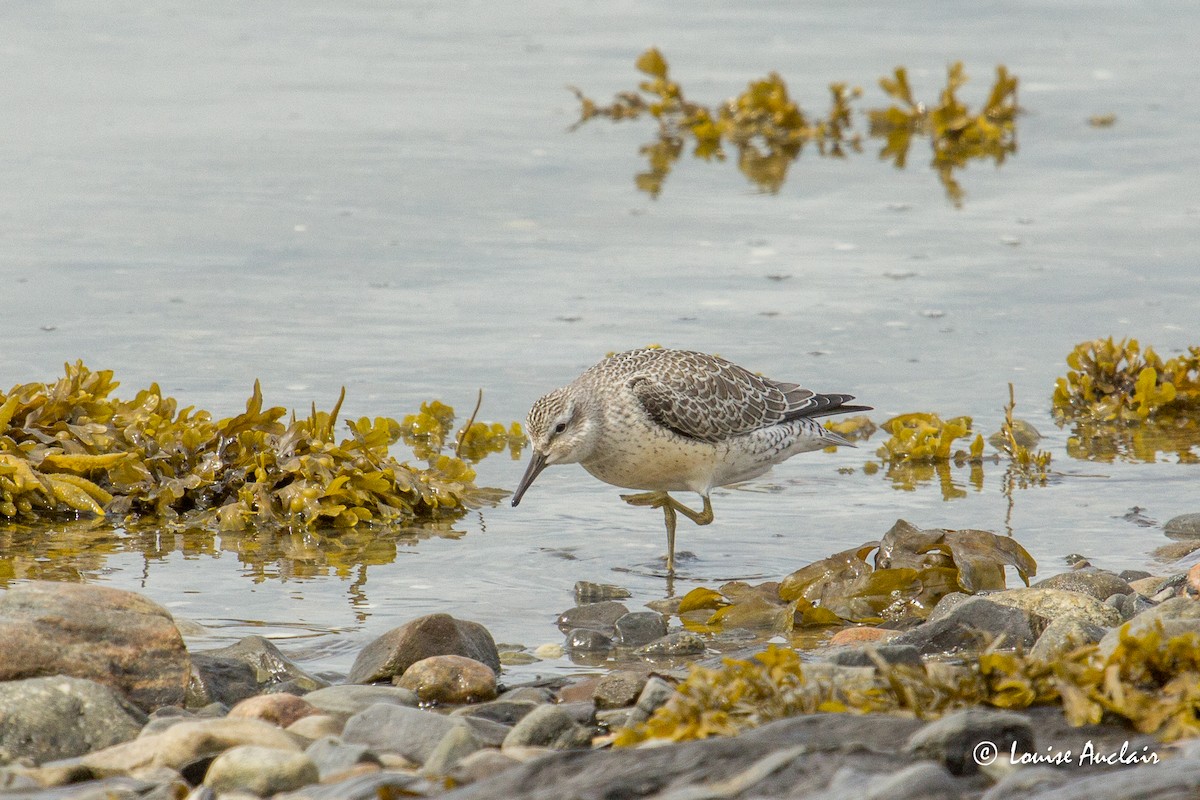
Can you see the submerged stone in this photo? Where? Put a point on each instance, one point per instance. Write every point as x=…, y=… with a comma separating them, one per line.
x=638, y=628
x=432, y=635
x=601, y=616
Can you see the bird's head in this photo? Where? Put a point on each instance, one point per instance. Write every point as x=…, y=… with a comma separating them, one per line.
x=561, y=430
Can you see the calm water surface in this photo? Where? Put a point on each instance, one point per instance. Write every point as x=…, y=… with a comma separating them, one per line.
x=385, y=196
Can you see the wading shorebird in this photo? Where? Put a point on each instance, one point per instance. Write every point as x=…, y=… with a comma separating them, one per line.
x=674, y=421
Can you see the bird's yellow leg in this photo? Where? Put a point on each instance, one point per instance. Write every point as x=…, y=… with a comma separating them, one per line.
x=670, y=505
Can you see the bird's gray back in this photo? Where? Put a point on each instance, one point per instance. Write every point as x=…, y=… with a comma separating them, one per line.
x=701, y=396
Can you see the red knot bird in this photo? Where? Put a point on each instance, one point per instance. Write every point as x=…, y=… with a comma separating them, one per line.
x=674, y=421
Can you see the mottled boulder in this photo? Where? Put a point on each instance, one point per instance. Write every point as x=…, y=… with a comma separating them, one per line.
x=263, y=771
x=1098, y=583
x=409, y=732
x=248, y=667
x=1049, y=604
x=1064, y=635
x=332, y=755
x=111, y=636
x=639, y=627
x=619, y=688
x=44, y=719
x=279, y=709
x=548, y=726
x=1184, y=526
x=450, y=679
x=432, y=635
x=186, y=743
x=970, y=625
x=1176, y=616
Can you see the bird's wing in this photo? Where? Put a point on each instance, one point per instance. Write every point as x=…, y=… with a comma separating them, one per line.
x=707, y=398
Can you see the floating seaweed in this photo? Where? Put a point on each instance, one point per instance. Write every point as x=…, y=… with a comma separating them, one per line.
x=68, y=449
x=922, y=447
x=768, y=130
x=957, y=135
x=1149, y=681
x=1126, y=402
x=1014, y=440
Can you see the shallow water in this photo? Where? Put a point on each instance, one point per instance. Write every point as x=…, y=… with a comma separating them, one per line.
x=386, y=197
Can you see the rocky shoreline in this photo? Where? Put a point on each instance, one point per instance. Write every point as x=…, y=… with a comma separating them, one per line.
x=99, y=697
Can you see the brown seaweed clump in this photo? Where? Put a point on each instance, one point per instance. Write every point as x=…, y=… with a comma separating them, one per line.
x=768, y=130
x=1150, y=682
x=69, y=449
x=1129, y=403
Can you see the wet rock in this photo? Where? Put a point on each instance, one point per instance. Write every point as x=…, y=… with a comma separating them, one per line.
x=1064, y=635
x=317, y=726
x=583, y=712
x=1173, y=779
x=185, y=743
x=1185, y=526
x=889, y=653
x=653, y=694
x=595, y=616
x=1130, y=576
x=221, y=679
x=924, y=780
x=1056, y=603
x=587, y=640
x=1022, y=783
x=1098, y=583
x=680, y=643
x=449, y=679
x=587, y=592
x=44, y=719
x=458, y=743
x=579, y=689
x=790, y=758
x=331, y=755
x=1147, y=586
x=110, y=636
x=349, y=699
x=619, y=688
x=1176, y=615
x=279, y=709
x=1128, y=605
x=548, y=726
x=432, y=635
x=481, y=765
x=504, y=711
x=638, y=628
x=952, y=739
x=215, y=679
x=1176, y=550
x=410, y=732
x=371, y=786
x=947, y=604
x=532, y=693
x=861, y=634
x=968, y=626
x=260, y=770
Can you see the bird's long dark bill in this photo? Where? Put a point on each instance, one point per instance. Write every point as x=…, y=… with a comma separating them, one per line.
x=536, y=464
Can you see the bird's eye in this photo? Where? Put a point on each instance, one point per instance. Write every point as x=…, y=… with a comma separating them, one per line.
x=560, y=427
